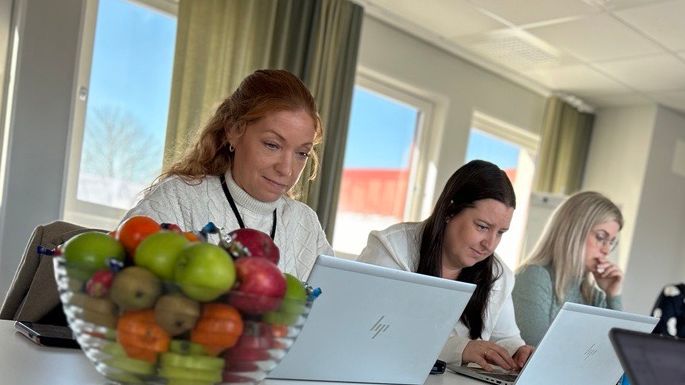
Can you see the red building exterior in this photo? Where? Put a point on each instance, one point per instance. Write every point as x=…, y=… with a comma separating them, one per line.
x=379, y=191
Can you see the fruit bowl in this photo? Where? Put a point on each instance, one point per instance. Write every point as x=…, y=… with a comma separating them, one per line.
x=234, y=338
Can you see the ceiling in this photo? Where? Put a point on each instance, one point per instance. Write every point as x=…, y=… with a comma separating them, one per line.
x=599, y=53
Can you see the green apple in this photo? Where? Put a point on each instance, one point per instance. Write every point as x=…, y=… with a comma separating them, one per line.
x=204, y=271
x=293, y=304
x=191, y=361
x=135, y=288
x=179, y=373
x=90, y=251
x=118, y=359
x=176, y=381
x=158, y=253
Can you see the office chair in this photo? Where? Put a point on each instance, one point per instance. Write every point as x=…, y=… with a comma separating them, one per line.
x=33, y=295
x=670, y=309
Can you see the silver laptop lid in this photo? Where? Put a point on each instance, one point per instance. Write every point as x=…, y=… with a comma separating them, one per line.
x=373, y=324
x=576, y=348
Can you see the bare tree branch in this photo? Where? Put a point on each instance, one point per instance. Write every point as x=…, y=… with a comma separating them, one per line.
x=116, y=146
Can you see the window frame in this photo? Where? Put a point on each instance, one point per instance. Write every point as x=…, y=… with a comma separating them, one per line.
x=74, y=210
x=428, y=135
x=528, y=142
x=431, y=114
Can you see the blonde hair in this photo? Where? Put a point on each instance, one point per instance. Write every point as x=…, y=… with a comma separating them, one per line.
x=562, y=244
x=261, y=93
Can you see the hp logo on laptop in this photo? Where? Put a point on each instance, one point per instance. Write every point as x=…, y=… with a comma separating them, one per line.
x=591, y=351
x=379, y=327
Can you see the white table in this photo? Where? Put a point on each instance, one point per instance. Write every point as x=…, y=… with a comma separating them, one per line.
x=24, y=363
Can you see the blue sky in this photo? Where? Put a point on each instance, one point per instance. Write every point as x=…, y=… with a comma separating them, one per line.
x=133, y=62
x=381, y=132
x=487, y=147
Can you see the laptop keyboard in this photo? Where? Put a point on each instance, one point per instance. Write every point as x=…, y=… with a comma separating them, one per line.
x=503, y=376
x=508, y=377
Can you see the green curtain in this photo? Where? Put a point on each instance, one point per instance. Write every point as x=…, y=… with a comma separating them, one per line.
x=219, y=42
x=319, y=40
x=566, y=136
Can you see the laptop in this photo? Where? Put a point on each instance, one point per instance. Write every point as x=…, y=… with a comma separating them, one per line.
x=373, y=324
x=575, y=350
x=650, y=359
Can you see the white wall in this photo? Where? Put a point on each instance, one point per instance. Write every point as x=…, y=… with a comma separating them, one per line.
x=465, y=86
x=39, y=129
x=656, y=256
x=617, y=161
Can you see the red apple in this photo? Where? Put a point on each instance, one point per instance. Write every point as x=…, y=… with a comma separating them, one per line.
x=261, y=286
x=252, y=346
x=99, y=283
x=254, y=243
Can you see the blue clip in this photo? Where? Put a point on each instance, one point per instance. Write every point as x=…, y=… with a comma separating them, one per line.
x=209, y=228
x=314, y=293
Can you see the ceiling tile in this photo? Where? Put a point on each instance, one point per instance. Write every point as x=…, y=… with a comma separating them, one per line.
x=602, y=51
x=522, y=12
x=596, y=37
x=577, y=78
x=662, y=21
x=446, y=18
x=624, y=4
x=649, y=73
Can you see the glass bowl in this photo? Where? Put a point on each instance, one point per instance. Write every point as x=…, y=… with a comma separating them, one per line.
x=261, y=344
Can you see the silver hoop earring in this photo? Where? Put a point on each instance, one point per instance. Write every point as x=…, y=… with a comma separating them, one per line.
x=231, y=148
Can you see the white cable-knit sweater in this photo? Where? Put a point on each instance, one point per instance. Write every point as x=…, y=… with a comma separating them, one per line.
x=191, y=205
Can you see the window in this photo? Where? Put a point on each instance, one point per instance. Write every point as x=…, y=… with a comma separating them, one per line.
x=513, y=150
x=382, y=163
x=121, y=115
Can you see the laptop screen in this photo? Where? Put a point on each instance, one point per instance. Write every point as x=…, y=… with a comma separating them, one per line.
x=650, y=359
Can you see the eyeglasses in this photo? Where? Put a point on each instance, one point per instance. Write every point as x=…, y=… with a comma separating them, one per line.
x=603, y=238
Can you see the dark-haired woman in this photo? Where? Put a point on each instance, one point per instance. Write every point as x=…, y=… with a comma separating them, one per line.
x=241, y=168
x=458, y=242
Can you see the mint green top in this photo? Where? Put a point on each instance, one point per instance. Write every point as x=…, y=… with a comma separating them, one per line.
x=535, y=304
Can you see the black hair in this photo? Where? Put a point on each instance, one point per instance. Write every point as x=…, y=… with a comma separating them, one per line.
x=472, y=182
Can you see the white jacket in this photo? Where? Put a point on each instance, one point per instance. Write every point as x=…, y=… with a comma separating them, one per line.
x=398, y=246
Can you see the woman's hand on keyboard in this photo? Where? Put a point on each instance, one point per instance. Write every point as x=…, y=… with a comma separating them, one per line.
x=486, y=354
x=522, y=355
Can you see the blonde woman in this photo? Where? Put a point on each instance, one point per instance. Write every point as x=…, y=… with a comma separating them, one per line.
x=241, y=168
x=570, y=264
